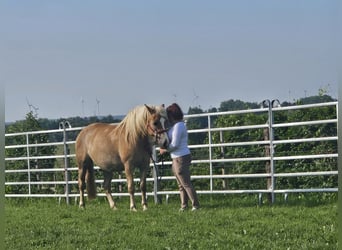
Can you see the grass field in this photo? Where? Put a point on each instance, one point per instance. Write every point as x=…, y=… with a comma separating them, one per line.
x=223, y=222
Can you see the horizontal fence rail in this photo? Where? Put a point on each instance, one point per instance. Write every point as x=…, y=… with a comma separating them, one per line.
x=234, y=152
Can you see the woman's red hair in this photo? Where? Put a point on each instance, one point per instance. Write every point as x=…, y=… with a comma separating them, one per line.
x=175, y=112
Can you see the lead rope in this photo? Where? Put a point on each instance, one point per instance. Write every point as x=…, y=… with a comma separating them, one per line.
x=158, y=173
x=161, y=158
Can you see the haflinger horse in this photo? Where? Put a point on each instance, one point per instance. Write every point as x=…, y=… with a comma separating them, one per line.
x=122, y=147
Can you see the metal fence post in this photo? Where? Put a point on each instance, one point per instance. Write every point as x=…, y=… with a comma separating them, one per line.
x=156, y=180
x=270, y=105
x=63, y=125
x=224, y=180
x=28, y=163
x=210, y=155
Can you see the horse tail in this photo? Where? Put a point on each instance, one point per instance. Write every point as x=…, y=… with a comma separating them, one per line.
x=90, y=180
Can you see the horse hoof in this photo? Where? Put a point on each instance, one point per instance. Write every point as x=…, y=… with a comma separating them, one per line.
x=114, y=208
x=144, y=208
x=133, y=209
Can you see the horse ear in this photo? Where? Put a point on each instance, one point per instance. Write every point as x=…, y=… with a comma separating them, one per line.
x=151, y=110
x=163, y=105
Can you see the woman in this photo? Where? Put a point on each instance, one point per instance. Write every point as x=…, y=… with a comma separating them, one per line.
x=181, y=156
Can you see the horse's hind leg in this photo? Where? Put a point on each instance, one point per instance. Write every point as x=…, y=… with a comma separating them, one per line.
x=81, y=182
x=108, y=175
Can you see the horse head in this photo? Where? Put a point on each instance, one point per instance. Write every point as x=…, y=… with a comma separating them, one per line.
x=157, y=125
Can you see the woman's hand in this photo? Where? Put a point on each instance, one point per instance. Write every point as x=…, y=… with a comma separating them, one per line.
x=162, y=151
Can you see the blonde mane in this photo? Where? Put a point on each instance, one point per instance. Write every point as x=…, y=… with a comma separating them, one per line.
x=134, y=124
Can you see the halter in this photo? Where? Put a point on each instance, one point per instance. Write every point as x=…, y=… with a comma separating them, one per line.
x=157, y=132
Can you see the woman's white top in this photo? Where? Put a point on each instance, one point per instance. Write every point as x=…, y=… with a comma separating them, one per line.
x=178, y=135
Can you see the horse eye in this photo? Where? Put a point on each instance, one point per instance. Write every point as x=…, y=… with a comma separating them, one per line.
x=156, y=123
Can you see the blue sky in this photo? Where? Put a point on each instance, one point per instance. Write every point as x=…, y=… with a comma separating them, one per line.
x=63, y=56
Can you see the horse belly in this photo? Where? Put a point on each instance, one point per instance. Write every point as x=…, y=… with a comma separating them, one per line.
x=110, y=164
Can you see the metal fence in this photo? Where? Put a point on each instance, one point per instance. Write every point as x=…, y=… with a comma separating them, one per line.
x=33, y=171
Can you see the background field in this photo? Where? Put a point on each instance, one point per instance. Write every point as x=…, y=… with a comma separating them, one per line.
x=223, y=222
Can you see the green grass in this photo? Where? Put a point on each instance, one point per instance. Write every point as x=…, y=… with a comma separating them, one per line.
x=223, y=222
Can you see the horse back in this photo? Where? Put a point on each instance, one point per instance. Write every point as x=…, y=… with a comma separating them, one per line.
x=99, y=143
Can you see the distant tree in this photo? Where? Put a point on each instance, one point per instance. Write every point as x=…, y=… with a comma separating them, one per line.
x=29, y=124
x=316, y=99
x=196, y=123
x=231, y=105
x=212, y=110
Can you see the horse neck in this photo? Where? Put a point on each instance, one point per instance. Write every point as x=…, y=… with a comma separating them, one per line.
x=132, y=140
x=133, y=125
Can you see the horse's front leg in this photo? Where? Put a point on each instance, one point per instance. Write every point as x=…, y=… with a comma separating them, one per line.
x=143, y=173
x=130, y=187
x=108, y=175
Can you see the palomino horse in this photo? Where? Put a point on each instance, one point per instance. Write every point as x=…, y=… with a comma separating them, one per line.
x=125, y=146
